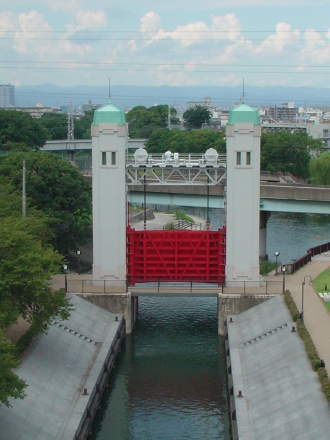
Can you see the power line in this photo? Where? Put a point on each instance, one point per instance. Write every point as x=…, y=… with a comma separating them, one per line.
x=110, y=63
x=164, y=30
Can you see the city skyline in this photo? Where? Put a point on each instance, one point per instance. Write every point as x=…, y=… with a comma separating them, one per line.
x=269, y=43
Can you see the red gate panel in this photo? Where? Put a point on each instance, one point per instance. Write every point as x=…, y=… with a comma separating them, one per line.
x=175, y=255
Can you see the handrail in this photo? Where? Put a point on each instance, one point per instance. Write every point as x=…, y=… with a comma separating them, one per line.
x=302, y=261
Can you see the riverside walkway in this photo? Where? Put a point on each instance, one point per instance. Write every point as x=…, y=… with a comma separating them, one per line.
x=316, y=316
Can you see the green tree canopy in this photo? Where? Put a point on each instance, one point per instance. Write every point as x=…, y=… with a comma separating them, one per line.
x=196, y=116
x=55, y=125
x=56, y=188
x=143, y=121
x=20, y=128
x=320, y=169
x=287, y=152
x=82, y=125
x=11, y=386
x=196, y=141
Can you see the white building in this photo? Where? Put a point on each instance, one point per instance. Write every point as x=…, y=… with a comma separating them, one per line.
x=109, y=147
x=7, y=95
x=243, y=195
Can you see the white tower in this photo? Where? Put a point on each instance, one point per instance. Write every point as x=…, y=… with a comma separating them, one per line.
x=109, y=146
x=243, y=195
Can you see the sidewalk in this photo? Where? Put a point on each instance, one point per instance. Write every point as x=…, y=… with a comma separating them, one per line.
x=316, y=316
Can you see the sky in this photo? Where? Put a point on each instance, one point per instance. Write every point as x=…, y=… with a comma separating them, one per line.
x=165, y=42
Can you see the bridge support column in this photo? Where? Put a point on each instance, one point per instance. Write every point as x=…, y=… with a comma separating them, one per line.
x=264, y=217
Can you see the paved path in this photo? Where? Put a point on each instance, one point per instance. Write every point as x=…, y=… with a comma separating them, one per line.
x=316, y=316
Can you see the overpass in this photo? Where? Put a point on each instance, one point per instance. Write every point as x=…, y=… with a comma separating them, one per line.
x=72, y=146
x=275, y=197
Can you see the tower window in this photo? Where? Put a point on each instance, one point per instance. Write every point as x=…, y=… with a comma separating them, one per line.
x=238, y=157
x=104, y=157
x=113, y=158
x=248, y=158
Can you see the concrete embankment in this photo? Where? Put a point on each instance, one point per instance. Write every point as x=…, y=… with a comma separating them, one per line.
x=273, y=391
x=66, y=371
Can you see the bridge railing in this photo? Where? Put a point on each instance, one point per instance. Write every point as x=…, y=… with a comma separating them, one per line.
x=76, y=285
x=302, y=261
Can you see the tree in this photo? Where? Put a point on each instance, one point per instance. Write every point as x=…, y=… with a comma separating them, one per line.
x=320, y=169
x=20, y=128
x=196, y=116
x=11, y=386
x=82, y=126
x=142, y=121
x=196, y=141
x=287, y=152
x=26, y=264
x=55, y=125
x=57, y=189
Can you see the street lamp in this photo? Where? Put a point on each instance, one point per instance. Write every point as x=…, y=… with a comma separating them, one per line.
x=283, y=272
x=78, y=253
x=277, y=254
x=302, y=295
x=65, y=268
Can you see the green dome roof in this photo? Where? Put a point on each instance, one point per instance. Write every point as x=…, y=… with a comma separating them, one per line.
x=109, y=114
x=243, y=113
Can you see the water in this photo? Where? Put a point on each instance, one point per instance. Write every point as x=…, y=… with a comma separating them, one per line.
x=170, y=379
x=169, y=383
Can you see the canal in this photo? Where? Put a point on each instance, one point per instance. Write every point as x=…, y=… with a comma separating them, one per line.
x=169, y=381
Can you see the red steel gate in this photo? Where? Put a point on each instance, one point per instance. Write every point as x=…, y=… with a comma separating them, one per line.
x=176, y=255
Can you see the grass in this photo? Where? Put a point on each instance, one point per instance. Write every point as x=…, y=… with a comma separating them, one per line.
x=181, y=215
x=322, y=284
x=309, y=346
x=266, y=267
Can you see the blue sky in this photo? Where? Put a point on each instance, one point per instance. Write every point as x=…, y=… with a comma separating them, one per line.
x=168, y=42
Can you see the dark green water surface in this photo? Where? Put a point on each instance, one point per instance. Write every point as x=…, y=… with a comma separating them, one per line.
x=169, y=382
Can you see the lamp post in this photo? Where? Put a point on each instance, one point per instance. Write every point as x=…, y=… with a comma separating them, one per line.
x=65, y=268
x=303, y=294
x=283, y=272
x=277, y=254
x=78, y=253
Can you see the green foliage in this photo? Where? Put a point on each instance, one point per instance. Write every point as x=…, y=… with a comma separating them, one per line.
x=196, y=116
x=196, y=141
x=20, y=128
x=309, y=345
x=55, y=125
x=58, y=190
x=181, y=215
x=322, y=284
x=142, y=121
x=320, y=169
x=287, y=152
x=266, y=267
x=82, y=125
x=26, y=265
x=11, y=386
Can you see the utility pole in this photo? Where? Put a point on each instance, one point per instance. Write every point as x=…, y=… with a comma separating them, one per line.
x=169, y=117
x=24, y=189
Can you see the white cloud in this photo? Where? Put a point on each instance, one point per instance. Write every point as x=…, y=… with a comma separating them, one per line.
x=283, y=37
x=223, y=28
x=316, y=48
x=91, y=19
x=7, y=22
x=63, y=5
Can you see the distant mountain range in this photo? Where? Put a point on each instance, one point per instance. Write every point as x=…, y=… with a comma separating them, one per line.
x=130, y=96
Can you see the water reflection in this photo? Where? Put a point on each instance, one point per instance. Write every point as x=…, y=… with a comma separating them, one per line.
x=170, y=380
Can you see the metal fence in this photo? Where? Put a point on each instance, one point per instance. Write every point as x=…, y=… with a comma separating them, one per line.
x=300, y=262
x=122, y=286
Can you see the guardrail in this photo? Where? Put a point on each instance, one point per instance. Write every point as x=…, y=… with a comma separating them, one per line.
x=264, y=287
x=302, y=261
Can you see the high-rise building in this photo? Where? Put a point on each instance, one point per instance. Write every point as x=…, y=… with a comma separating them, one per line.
x=7, y=95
